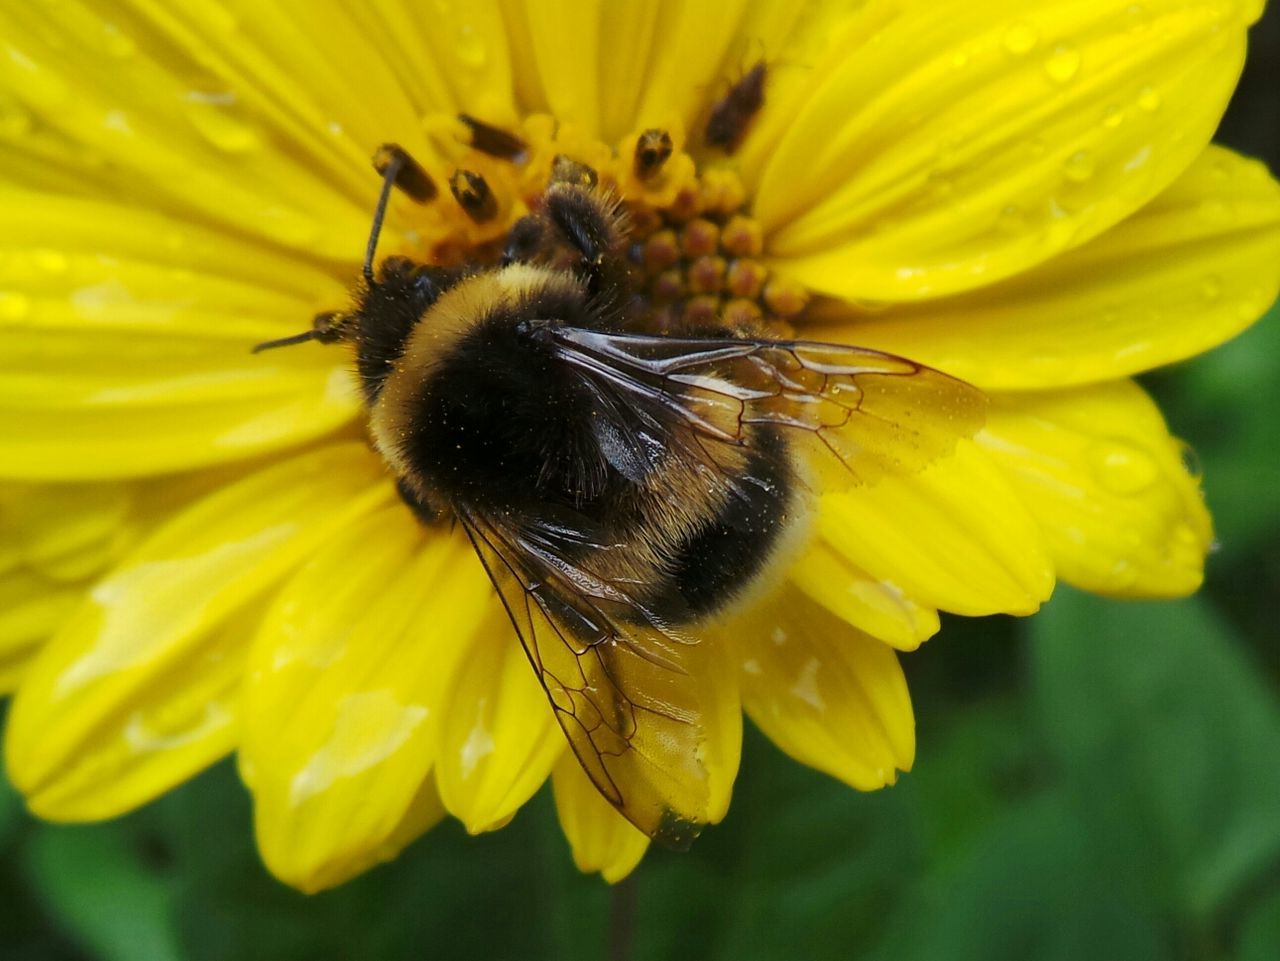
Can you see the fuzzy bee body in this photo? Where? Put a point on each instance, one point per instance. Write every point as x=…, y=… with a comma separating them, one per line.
x=623, y=489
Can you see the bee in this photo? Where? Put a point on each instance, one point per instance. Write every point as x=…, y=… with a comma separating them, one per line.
x=624, y=490
x=733, y=113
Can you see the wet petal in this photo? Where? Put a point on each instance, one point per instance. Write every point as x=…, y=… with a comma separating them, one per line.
x=125, y=338
x=829, y=695
x=954, y=536
x=634, y=65
x=139, y=689
x=943, y=146
x=602, y=839
x=498, y=735
x=188, y=107
x=344, y=682
x=1187, y=271
x=878, y=607
x=1098, y=470
x=53, y=541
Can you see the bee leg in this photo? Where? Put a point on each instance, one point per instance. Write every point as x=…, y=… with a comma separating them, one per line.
x=590, y=224
x=425, y=513
x=327, y=328
x=525, y=240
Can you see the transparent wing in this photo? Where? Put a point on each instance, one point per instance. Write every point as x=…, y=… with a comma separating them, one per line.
x=854, y=414
x=617, y=678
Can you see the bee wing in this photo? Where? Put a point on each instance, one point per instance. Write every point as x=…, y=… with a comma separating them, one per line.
x=854, y=414
x=618, y=679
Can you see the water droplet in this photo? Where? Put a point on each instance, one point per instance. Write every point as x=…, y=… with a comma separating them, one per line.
x=1080, y=166
x=1012, y=219
x=13, y=306
x=1122, y=469
x=1063, y=63
x=212, y=115
x=1149, y=99
x=1112, y=117
x=117, y=43
x=1214, y=211
x=51, y=261
x=470, y=47
x=1211, y=288
x=1020, y=38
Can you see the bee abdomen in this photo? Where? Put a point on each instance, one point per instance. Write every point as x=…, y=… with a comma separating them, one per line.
x=719, y=560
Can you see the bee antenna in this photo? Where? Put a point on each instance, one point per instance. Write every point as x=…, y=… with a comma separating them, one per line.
x=390, y=171
x=285, y=341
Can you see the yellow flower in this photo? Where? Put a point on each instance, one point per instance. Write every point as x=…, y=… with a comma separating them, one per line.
x=1027, y=201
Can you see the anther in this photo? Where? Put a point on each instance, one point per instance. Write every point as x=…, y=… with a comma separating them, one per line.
x=409, y=175
x=702, y=310
x=661, y=250
x=653, y=148
x=742, y=237
x=473, y=195
x=785, y=298
x=730, y=118
x=743, y=316
x=706, y=275
x=494, y=141
x=745, y=279
x=566, y=170
x=699, y=238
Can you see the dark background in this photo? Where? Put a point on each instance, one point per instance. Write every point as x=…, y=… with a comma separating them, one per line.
x=1101, y=781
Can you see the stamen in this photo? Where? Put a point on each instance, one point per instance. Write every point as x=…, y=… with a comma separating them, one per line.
x=493, y=141
x=653, y=149
x=410, y=177
x=473, y=195
x=730, y=118
x=569, y=171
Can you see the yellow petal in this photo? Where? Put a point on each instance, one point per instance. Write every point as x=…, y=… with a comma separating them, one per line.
x=712, y=663
x=1187, y=271
x=31, y=608
x=344, y=680
x=1098, y=470
x=53, y=539
x=125, y=338
x=878, y=607
x=498, y=738
x=601, y=839
x=247, y=118
x=946, y=145
x=954, y=537
x=139, y=689
x=829, y=695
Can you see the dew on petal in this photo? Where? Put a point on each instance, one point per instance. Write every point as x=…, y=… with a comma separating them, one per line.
x=1112, y=117
x=1149, y=99
x=1063, y=63
x=14, y=306
x=1121, y=468
x=1080, y=166
x=213, y=117
x=1211, y=288
x=470, y=48
x=369, y=728
x=51, y=261
x=116, y=42
x=1020, y=38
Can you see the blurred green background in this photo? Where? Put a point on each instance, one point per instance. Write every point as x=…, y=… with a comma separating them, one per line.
x=1101, y=781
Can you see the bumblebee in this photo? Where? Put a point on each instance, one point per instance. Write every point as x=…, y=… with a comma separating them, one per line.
x=623, y=488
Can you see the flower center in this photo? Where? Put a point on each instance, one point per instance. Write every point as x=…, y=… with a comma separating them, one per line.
x=695, y=248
